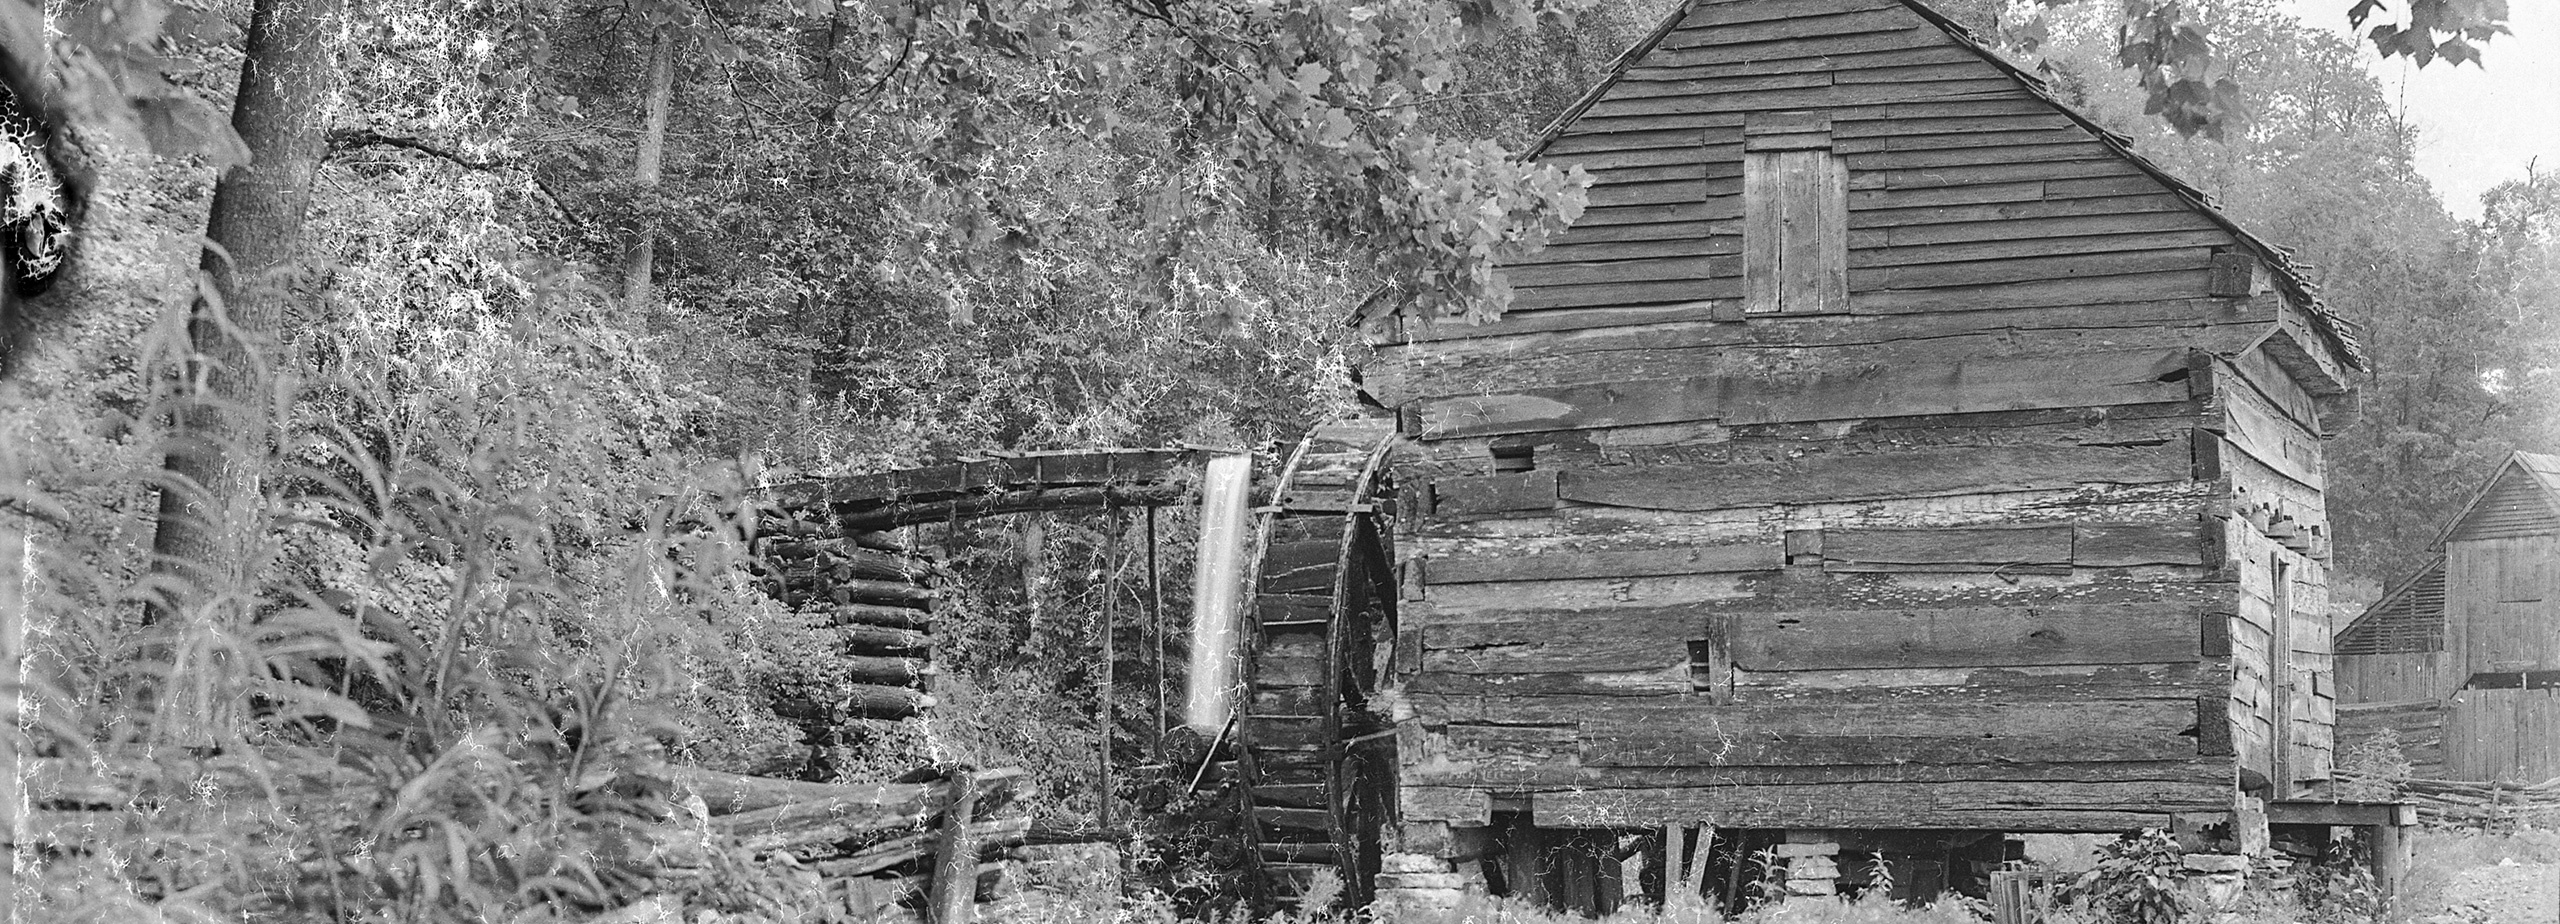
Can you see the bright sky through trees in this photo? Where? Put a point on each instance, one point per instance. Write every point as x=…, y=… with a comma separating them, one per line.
x=2478, y=127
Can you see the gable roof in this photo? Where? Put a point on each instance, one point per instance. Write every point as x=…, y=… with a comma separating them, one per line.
x=2522, y=497
x=2524, y=492
x=2289, y=276
x=2410, y=618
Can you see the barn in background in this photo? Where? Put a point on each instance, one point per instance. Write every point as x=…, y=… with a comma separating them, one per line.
x=2462, y=659
x=1888, y=460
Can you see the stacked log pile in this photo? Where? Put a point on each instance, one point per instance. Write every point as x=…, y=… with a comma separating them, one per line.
x=874, y=593
x=876, y=851
x=2496, y=805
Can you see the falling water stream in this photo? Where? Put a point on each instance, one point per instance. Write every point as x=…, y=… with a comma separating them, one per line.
x=1217, y=593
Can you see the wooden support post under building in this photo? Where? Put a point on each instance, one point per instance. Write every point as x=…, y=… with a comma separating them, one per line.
x=1684, y=869
x=1697, y=876
x=1672, y=863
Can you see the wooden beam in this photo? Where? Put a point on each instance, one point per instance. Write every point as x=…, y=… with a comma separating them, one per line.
x=1991, y=636
x=2019, y=807
x=1499, y=563
x=1862, y=391
x=1917, y=472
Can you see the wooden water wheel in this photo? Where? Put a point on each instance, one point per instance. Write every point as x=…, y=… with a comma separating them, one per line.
x=1324, y=602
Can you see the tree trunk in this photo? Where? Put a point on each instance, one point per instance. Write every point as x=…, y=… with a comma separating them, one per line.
x=638, y=261
x=221, y=422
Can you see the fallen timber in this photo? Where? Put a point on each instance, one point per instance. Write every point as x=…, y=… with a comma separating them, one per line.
x=2492, y=805
x=875, y=850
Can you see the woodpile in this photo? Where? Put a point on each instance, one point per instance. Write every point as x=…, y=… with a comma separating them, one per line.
x=2496, y=805
x=876, y=851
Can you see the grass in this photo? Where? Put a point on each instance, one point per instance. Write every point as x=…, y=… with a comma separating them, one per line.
x=2442, y=855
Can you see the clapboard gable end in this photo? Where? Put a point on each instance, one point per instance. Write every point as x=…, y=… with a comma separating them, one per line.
x=1971, y=188
x=2521, y=499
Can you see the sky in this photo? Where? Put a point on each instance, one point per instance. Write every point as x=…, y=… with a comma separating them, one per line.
x=2477, y=126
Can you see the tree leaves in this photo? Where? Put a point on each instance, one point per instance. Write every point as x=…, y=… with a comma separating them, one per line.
x=111, y=70
x=2184, y=77
x=2462, y=22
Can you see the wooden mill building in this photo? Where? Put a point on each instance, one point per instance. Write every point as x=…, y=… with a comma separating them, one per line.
x=2462, y=658
x=1887, y=459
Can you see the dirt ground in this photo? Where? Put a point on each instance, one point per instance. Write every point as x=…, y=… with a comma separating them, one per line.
x=2505, y=892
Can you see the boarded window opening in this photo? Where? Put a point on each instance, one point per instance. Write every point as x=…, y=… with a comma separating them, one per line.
x=1795, y=216
x=1711, y=670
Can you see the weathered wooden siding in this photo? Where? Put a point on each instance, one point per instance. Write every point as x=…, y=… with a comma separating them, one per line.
x=2466, y=637
x=2283, y=691
x=2397, y=677
x=2504, y=595
x=1987, y=544
x=1966, y=190
x=2503, y=735
x=2516, y=506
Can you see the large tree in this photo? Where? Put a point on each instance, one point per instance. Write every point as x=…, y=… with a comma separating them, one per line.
x=222, y=420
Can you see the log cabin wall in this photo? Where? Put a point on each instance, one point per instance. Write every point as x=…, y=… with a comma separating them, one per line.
x=1986, y=531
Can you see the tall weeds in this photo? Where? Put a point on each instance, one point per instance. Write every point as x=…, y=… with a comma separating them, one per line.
x=483, y=597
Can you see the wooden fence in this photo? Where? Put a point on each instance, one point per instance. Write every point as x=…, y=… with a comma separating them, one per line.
x=2510, y=734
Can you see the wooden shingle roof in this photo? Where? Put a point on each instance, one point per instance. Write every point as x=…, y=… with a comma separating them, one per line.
x=2288, y=276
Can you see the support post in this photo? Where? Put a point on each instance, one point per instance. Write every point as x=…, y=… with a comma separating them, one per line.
x=2390, y=859
x=1672, y=864
x=955, y=863
x=1110, y=651
x=1155, y=623
x=1697, y=875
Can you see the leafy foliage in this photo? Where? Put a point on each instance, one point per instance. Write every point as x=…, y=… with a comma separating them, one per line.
x=2137, y=880
x=2186, y=75
x=2461, y=22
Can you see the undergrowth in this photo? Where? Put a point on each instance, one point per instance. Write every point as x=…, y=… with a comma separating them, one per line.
x=480, y=605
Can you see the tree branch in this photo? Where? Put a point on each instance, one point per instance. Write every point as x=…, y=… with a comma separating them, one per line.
x=349, y=139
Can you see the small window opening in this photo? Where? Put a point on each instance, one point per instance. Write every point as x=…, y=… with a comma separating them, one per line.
x=1515, y=458
x=1711, y=670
